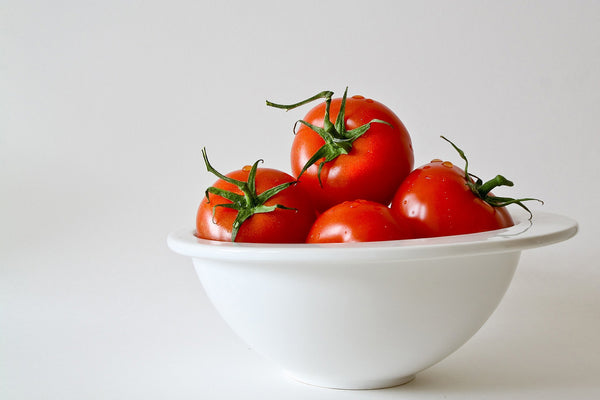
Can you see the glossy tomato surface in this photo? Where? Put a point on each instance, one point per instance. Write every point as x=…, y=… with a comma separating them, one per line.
x=373, y=169
x=278, y=226
x=357, y=221
x=434, y=200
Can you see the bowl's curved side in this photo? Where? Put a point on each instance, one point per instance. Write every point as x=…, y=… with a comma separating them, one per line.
x=370, y=324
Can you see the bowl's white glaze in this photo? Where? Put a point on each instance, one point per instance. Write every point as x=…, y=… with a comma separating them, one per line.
x=363, y=315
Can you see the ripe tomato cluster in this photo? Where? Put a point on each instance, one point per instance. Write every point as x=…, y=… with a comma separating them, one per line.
x=352, y=181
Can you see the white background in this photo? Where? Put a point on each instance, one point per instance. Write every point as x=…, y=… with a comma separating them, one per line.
x=106, y=105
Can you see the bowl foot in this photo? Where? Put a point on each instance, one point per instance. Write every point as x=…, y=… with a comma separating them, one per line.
x=352, y=384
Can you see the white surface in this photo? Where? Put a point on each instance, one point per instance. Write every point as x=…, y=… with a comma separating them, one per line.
x=106, y=105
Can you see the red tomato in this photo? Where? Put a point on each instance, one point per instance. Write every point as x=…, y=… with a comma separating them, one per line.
x=440, y=199
x=357, y=221
x=434, y=200
x=370, y=167
x=285, y=217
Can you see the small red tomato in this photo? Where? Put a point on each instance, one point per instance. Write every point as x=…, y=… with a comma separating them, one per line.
x=441, y=199
x=350, y=148
x=357, y=221
x=260, y=205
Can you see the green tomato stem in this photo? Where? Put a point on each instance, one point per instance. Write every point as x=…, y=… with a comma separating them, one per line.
x=250, y=202
x=482, y=190
x=337, y=139
x=487, y=187
x=326, y=94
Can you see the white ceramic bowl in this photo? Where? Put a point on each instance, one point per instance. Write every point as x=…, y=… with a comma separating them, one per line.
x=363, y=315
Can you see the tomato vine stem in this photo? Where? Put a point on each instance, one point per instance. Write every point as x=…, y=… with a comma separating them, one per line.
x=483, y=190
x=248, y=203
x=326, y=94
x=338, y=140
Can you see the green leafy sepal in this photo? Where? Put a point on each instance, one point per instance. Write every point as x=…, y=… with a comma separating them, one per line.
x=248, y=203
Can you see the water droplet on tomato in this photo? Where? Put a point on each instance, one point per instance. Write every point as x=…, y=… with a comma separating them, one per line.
x=436, y=160
x=447, y=164
x=358, y=97
x=369, y=100
x=427, y=167
x=246, y=168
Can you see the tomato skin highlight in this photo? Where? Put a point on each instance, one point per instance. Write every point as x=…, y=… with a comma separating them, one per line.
x=278, y=226
x=434, y=200
x=357, y=221
x=375, y=166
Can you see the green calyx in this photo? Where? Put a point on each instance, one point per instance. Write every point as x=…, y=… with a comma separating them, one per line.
x=482, y=189
x=337, y=139
x=248, y=203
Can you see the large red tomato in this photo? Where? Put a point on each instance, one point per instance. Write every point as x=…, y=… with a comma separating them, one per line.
x=435, y=201
x=261, y=205
x=441, y=199
x=350, y=148
x=357, y=221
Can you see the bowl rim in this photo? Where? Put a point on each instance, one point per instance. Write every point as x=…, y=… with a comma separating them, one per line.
x=543, y=229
